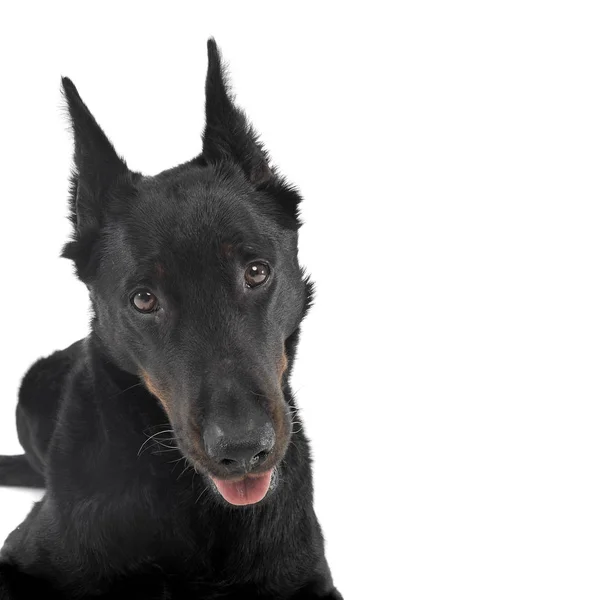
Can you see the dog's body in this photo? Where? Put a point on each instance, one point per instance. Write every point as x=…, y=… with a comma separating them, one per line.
x=177, y=405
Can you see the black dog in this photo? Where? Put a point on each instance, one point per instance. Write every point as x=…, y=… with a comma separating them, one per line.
x=168, y=441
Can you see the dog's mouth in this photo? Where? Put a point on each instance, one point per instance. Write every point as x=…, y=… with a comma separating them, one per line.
x=243, y=491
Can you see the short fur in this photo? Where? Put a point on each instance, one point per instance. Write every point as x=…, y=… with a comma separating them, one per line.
x=115, y=426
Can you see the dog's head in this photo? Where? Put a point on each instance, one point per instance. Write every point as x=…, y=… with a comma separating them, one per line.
x=196, y=287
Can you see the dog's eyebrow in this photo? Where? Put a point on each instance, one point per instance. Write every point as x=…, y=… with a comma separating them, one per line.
x=255, y=250
x=247, y=250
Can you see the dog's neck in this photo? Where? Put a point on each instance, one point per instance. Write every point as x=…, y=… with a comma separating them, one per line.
x=121, y=377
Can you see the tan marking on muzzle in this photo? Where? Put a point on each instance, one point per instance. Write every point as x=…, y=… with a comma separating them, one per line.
x=154, y=390
x=282, y=365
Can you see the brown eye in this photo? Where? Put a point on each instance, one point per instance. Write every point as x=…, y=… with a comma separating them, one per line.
x=256, y=274
x=144, y=301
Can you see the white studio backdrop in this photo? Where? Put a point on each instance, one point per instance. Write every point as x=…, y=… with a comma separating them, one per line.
x=448, y=154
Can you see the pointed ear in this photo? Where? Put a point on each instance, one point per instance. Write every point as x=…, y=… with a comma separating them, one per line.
x=96, y=163
x=96, y=169
x=227, y=134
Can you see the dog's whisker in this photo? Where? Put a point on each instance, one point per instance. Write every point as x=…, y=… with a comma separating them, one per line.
x=151, y=427
x=127, y=389
x=150, y=438
x=187, y=467
x=202, y=494
x=176, y=462
x=167, y=446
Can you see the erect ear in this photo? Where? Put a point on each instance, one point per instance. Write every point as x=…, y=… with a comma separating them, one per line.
x=97, y=168
x=227, y=134
x=97, y=165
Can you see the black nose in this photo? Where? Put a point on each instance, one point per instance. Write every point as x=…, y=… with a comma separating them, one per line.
x=239, y=449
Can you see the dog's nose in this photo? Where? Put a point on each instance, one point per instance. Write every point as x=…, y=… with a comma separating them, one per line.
x=239, y=450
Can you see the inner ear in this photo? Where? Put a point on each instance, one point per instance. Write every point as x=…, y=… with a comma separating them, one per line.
x=261, y=174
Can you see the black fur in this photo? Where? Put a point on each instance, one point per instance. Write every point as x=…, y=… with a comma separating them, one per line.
x=130, y=427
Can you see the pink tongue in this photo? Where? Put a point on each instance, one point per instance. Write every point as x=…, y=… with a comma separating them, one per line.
x=250, y=490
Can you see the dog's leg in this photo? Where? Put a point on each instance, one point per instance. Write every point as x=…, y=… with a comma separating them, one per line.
x=149, y=585
x=15, y=585
x=27, y=557
x=39, y=397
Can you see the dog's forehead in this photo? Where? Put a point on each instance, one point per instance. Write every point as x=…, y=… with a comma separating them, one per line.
x=187, y=214
x=200, y=194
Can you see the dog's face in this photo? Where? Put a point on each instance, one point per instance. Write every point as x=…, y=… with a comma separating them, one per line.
x=196, y=286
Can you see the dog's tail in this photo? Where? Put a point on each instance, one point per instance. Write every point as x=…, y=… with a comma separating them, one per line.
x=16, y=471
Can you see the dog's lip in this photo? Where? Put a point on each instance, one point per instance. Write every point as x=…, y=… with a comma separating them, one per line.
x=242, y=491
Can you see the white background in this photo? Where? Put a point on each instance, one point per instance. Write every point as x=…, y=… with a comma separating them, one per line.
x=448, y=154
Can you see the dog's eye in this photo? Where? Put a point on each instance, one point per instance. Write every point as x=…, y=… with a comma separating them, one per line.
x=144, y=301
x=256, y=274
